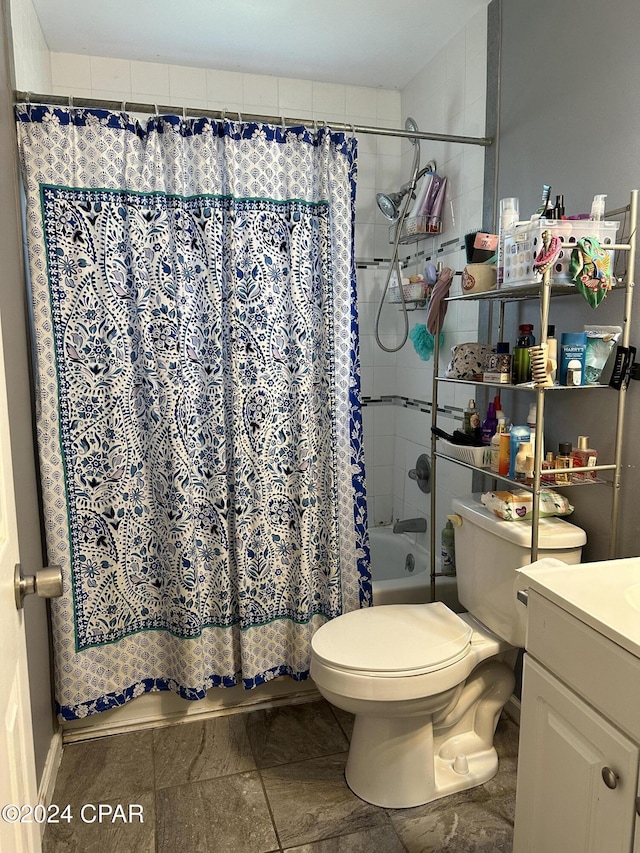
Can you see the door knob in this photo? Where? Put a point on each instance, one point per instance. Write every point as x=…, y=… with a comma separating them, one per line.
x=47, y=583
x=609, y=777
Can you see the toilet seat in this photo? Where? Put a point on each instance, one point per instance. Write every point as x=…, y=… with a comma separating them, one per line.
x=393, y=641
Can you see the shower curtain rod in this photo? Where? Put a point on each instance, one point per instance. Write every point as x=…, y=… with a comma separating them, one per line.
x=135, y=107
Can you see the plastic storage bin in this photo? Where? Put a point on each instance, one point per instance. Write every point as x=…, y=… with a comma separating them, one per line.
x=521, y=248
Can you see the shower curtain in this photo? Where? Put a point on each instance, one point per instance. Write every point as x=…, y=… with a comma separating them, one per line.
x=197, y=385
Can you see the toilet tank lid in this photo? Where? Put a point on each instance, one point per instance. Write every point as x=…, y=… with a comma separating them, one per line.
x=553, y=533
x=393, y=639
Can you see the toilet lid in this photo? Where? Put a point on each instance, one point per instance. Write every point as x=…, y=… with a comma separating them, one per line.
x=393, y=639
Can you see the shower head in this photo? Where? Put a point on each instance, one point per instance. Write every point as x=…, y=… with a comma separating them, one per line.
x=411, y=125
x=389, y=203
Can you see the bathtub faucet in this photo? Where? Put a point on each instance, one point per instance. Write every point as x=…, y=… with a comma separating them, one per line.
x=410, y=525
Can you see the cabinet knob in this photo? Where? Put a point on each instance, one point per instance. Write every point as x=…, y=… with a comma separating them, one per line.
x=610, y=778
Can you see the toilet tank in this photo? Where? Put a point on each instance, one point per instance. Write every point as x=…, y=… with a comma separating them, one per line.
x=490, y=549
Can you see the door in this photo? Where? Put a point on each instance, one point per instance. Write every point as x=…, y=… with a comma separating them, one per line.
x=17, y=764
x=568, y=800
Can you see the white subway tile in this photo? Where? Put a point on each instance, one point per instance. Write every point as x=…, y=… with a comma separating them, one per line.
x=70, y=69
x=294, y=95
x=361, y=101
x=111, y=75
x=389, y=106
x=329, y=100
x=187, y=82
x=225, y=87
x=261, y=91
x=150, y=78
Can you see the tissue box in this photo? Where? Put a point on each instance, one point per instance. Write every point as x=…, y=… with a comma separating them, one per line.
x=521, y=248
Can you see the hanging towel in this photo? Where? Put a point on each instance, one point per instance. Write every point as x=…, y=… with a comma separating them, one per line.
x=437, y=305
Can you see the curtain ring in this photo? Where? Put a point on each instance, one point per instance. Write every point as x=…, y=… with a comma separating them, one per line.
x=124, y=106
x=70, y=102
x=284, y=127
x=184, y=113
x=223, y=115
x=315, y=126
x=239, y=117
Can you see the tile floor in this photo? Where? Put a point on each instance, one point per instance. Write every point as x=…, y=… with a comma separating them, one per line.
x=268, y=780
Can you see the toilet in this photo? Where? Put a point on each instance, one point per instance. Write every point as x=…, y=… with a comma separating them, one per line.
x=427, y=685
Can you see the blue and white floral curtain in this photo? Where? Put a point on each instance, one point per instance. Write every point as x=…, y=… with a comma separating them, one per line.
x=198, y=416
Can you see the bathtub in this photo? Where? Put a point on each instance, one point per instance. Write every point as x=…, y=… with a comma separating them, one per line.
x=400, y=571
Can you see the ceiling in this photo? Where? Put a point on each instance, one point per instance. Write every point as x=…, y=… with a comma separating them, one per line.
x=380, y=43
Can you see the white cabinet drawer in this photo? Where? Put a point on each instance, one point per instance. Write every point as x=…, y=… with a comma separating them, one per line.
x=606, y=675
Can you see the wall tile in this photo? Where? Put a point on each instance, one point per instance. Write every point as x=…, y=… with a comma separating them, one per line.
x=187, y=82
x=294, y=95
x=225, y=86
x=329, y=99
x=260, y=90
x=110, y=75
x=70, y=69
x=150, y=78
x=361, y=101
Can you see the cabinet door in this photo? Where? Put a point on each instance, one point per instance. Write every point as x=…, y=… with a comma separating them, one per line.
x=563, y=804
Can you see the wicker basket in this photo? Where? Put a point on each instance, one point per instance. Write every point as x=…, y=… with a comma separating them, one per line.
x=478, y=456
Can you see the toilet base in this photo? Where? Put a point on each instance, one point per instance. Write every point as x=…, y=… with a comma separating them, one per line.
x=404, y=772
x=405, y=761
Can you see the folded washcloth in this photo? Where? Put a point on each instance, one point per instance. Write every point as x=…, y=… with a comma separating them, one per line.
x=437, y=305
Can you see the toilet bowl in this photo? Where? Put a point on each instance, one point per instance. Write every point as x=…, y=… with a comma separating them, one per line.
x=403, y=670
x=427, y=685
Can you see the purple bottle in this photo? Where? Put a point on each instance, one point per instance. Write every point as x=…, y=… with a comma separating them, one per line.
x=489, y=424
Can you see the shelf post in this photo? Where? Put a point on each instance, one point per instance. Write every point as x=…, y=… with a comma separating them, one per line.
x=622, y=393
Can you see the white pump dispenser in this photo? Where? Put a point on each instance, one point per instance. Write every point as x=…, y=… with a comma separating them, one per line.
x=597, y=207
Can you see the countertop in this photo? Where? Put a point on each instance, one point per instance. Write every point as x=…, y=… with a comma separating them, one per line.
x=605, y=595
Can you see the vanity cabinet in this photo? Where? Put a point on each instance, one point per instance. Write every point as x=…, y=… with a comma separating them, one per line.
x=579, y=754
x=556, y=394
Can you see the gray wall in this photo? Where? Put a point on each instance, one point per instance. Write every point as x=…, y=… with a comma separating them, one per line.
x=570, y=117
x=16, y=354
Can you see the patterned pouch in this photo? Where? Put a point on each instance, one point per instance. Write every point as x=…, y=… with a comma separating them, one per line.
x=590, y=269
x=467, y=360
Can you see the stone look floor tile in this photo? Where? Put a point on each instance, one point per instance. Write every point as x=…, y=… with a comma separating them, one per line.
x=345, y=719
x=382, y=839
x=479, y=820
x=470, y=828
x=105, y=836
x=310, y=801
x=118, y=766
x=224, y=815
x=295, y=733
x=205, y=749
